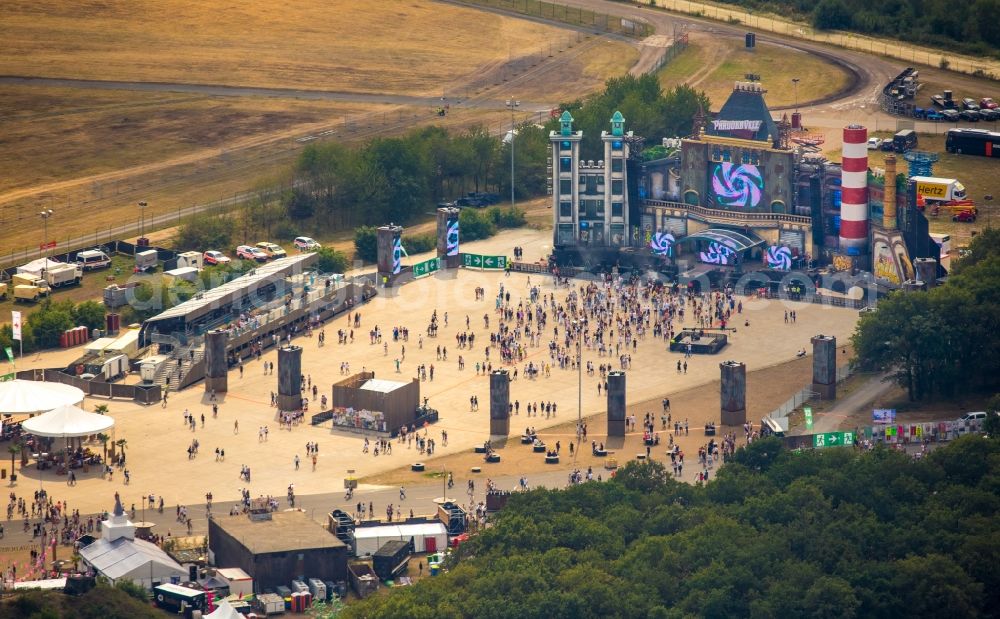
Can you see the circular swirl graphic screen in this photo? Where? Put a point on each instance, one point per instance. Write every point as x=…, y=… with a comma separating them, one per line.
x=737, y=186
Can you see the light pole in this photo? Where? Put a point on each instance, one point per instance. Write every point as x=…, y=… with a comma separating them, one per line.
x=45, y=241
x=795, y=88
x=512, y=104
x=142, y=219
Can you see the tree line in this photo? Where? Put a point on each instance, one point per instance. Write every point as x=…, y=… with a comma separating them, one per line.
x=943, y=341
x=649, y=111
x=970, y=27
x=398, y=179
x=778, y=533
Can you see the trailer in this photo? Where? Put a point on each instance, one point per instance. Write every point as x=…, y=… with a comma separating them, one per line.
x=392, y=559
x=363, y=579
x=180, y=600
x=107, y=369
x=64, y=275
x=191, y=259
x=149, y=366
x=188, y=274
x=126, y=344
x=270, y=604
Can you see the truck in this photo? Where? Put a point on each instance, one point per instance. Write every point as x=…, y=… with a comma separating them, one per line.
x=146, y=260
x=28, y=287
x=935, y=189
x=64, y=275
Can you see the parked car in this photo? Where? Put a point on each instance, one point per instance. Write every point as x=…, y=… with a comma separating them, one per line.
x=950, y=115
x=987, y=114
x=934, y=115
x=987, y=103
x=875, y=143
x=216, y=257
x=886, y=145
x=970, y=115
x=304, y=243
x=977, y=416
x=271, y=250
x=969, y=104
x=247, y=252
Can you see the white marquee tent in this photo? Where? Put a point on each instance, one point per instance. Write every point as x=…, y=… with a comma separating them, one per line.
x=67, y=422
x=35, y=267
x=30, y=397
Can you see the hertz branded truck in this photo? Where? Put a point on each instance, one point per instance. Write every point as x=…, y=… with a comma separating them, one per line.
x=939, y=189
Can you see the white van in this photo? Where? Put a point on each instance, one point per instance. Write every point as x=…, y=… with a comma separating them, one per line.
x=93, y=259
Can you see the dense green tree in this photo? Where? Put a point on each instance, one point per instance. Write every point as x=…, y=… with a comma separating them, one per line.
x=944, y=340
x=366, y=244
x=330, y=260
x=204, y=232
x=89, y=314
x=811, y=536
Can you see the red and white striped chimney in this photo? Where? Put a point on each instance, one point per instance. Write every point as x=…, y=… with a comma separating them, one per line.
x=854, y=189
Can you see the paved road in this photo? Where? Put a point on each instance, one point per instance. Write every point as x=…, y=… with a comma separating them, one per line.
x=871, y=72
x=874, y=388
x=421, y=499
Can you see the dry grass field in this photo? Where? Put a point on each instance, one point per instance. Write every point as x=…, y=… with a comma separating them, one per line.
x=713, y=65
x=412, y=47
x=53, y=134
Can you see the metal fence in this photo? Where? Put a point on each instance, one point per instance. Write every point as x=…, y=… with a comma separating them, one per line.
x=806, y=394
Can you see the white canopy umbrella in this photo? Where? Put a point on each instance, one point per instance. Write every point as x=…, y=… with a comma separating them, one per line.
x=67, y=422
x=29, y=396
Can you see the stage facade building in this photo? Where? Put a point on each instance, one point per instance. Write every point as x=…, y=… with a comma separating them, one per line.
x=742, y=192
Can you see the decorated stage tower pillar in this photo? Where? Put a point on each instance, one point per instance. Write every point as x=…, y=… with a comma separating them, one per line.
x=216, y=364
x=825, y=366
x=389, y=252
x=854, y=192
x=290, y=378
x=616, y=403
x=447, y=237
x=733, y=393
x=499, y=404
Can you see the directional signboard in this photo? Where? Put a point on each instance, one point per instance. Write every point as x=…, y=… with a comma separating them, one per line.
x=807, y=411
x=426, y=267
x=479, y=261
x=833, y=439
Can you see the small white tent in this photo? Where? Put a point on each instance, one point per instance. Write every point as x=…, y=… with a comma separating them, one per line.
x=223, y=610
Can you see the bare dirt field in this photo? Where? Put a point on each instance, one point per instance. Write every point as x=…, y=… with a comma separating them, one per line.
x=399, y=47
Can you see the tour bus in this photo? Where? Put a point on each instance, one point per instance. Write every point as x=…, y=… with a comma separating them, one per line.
x=973, y=142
